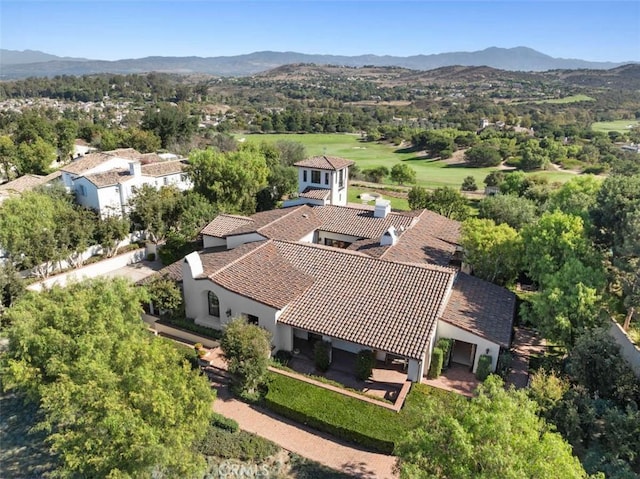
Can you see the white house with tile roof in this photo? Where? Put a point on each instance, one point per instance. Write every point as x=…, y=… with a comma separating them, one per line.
x=106, y=181
x=322, y=180
x=358, y=277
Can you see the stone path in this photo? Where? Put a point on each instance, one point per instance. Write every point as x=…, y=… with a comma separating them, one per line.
x=294, y=437
x=525, y=343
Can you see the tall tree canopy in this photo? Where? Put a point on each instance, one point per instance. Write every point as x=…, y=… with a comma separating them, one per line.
x=497, y=434
x=116, y=401
x=229, y=180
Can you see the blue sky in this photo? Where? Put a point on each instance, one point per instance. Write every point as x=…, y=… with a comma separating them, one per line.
x=590, y=30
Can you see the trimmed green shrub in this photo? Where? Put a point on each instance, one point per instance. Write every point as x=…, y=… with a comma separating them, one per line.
x=241, y=445
x=365, y=360
x=504, y=363
x=435, y=368
x=282, y=357
x=484, y=367
x=321, y=354
x=348, y=418
x=445, y=344
x=223, y=422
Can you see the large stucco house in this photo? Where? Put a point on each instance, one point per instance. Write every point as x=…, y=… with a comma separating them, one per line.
x=357, y=276
x=106, y=181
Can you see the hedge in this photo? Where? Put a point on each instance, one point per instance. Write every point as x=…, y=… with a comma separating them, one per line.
x=435, y=368
x=223, y=422
x=365, y=360
x=350, y=419
x=345, y=417
x=484, y=367
x=445, y=344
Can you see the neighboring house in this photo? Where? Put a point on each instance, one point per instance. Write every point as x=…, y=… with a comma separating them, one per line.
x=358, y=277
x=25, y=183
x=322, y=180
x=106, y=181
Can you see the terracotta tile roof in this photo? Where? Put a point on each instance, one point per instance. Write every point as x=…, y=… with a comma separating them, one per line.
x=370, y=247
x=481, y=308
x=128, y=153
x=381, y=305
x=359, y=222
x=432, y=239
x=224, y=224
x=24, y=183
x=264, y=275
x=84, y=163
x=325, y=163
x=147, y=158
x=163, y=168
x=285, y=223
x=108, y=178
x=315, y=193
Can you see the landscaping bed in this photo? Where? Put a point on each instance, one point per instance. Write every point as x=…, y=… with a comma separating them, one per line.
x=348, y=418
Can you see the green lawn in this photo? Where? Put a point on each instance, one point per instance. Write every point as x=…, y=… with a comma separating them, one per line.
x=618, y=125
x=429, y=173
x=396, y=203
x=567, y=99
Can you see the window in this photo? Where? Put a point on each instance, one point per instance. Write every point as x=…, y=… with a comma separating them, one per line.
x=315, y=177
x=326, y=178
x=166, y=180
x=251, y=319
x=304, y=175
x=214, y=304
x=83, y=190
x=341, y=178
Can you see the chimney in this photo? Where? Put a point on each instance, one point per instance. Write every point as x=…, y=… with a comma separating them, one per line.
x=135, y=169
x=389, y=237
x=383, y=208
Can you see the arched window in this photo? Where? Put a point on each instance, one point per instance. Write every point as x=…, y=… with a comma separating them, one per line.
x=214, y=304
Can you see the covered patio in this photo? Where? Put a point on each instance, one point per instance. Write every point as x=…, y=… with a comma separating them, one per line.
x=386, y=381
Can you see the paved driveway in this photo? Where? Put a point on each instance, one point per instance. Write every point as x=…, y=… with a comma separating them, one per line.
x=135, y=272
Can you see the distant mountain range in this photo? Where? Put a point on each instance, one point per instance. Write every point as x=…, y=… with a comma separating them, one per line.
x=20, y=64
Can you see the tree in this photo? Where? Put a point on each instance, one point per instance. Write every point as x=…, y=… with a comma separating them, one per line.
x=495, y=178
x=246, y=348
x=402, y=173
x=8, y=160
x=469, y=184
x=116, y=401
x=569, y=304
x=171, y=124
x=376, y=175
x=229, y=180
x=493, y=250
x=447, y=202
x=417, y=197
x=497, y=434
x=554, y=240
x=576, y=197
x=155, y=210
x=35, y=157
x=11, y=287
x=514, y=211
x=165, y=295
x=29, y=230
x=110, y=231
x=66, y=133
x=482, y=156
x=532, y=156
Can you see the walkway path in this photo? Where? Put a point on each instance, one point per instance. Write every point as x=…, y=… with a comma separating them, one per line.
x=525, y=343
x=294, y=437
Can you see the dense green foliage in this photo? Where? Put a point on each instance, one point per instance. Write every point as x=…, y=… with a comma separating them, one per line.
x=497, y=434
x=116, y=401
x=494, y=251
x=365, y=361
x=349, y=418
x=166, y=296
x=484, y=367
x=246, y=348
x=437, y=360
x=321, y=355
x=445, y=201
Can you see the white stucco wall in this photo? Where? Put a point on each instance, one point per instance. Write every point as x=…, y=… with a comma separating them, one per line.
x=335, y=236
x=446, y=330
x=90, y=198
x=231, y=305
x=415, y=370
x=212, y=241
x=339, y=195
x=235, y=241
x=347, y=346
